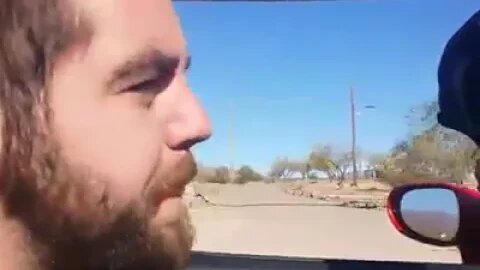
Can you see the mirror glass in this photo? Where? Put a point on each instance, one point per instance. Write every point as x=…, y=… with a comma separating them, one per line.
x=431, y=212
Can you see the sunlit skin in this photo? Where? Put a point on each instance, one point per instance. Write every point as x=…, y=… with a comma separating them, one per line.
x=122, y=109
x=126, y=134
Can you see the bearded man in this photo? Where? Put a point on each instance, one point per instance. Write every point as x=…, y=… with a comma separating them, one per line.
x=98, y=123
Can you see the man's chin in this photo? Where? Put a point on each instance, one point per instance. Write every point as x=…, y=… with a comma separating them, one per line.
x=172, y=221
x=169, y=212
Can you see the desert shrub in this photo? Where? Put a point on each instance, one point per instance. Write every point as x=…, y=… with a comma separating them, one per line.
x=269, y=180
x=246, y=174
x=218, y=175
x=402, y=178
x=204, y=174
x=222, y=176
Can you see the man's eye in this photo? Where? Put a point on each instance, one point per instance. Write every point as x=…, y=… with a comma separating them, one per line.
x=145, y=91
x=156, y=85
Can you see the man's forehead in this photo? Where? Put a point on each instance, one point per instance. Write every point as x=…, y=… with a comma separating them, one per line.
x=136, y=22
x=123, y=30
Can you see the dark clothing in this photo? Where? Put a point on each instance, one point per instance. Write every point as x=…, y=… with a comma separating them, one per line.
x=459, y=80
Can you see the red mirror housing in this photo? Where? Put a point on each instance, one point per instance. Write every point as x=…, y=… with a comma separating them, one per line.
x=468, y=235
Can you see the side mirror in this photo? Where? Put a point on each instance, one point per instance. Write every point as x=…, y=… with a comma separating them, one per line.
x=435, y=213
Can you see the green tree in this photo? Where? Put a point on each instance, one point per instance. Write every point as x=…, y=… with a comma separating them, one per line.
x=333, y=163
x=321, y=159
x=247, y=174
x=300, y=167
x=280, y=168
x=222, y=175
x=432, y=151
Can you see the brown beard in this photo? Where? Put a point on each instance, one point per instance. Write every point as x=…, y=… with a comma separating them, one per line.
x=75, y=225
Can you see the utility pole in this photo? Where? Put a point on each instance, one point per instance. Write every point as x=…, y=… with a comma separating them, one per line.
x=354, y=139
x=231, y=141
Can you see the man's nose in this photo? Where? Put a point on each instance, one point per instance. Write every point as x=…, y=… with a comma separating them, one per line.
x=189, y=123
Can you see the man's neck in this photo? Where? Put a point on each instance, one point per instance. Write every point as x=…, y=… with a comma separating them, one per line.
x=16, y=247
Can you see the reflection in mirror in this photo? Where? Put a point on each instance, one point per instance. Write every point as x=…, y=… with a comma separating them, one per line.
x=431, y=212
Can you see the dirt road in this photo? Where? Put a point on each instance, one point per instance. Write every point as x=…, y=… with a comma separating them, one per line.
x=313, y=231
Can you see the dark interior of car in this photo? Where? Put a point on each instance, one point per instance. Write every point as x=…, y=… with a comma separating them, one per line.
x=212, y=261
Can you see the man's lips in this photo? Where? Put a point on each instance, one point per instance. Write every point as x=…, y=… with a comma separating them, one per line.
x=165, y=186
x=169, y=193
x=169, y=207
x=182, y=173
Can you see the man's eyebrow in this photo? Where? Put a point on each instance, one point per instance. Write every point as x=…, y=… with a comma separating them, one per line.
x=147, y=61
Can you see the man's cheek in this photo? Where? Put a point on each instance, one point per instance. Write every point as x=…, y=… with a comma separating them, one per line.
x=129, y=167
x=125, y=154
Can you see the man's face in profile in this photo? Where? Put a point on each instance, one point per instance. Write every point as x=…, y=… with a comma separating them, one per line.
x=123, y=120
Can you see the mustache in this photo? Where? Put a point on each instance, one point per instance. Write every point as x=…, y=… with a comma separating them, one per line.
x=183, y=172
x=171, y=183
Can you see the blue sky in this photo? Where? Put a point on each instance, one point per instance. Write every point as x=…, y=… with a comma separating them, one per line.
x=286, y=68
x=431, y=199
